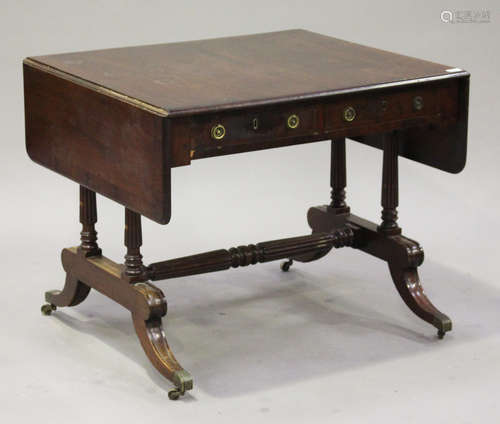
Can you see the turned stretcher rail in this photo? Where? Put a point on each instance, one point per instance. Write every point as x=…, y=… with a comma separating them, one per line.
x=219, y=260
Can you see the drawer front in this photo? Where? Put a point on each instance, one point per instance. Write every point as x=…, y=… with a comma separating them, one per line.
x=376, y=108
x=257, y=125
x=348, y=115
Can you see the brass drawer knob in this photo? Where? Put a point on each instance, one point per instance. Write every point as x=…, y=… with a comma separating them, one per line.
x=349, y=114
x=418, y=103
x=218, y=132
x=293, y=121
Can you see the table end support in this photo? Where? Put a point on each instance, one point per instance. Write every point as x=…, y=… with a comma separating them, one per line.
x=402, y=254
x=75, y=291
x=127, y=285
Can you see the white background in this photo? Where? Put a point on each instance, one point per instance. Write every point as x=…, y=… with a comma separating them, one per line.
x=330, y=341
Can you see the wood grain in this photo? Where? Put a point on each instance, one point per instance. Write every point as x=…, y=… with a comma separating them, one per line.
x=116, y=121
x=104, y=144
x=211, y=75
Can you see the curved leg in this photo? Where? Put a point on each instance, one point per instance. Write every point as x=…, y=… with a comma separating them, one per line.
x=154, y=341
x=402, y=254
x=73, y=293
x=411, y=291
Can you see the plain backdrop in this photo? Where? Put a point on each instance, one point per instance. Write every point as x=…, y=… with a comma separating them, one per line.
x=330, y=341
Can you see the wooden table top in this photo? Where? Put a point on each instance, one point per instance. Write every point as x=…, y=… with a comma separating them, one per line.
x=117, y=120
x=211, y=75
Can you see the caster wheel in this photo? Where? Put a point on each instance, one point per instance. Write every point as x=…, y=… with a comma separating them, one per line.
x=285, y=266
x=441, y=334
x=174, y=394
x=47, y=309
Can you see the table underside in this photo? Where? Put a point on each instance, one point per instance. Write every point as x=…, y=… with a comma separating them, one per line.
x=333, y=226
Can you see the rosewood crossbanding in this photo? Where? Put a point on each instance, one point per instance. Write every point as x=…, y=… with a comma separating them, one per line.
x=117, y=121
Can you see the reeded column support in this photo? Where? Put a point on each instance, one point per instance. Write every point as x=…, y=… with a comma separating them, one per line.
x=338, y=179
x=133, y=241
x=390, y=189
x=88, y=218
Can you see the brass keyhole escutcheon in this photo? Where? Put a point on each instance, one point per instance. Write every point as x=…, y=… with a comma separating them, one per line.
x=349, y=114
x=255, y=124
x=218, y=132
x=418, y=103
x=293, y=121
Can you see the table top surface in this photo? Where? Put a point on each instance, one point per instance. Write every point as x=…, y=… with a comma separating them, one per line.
x=217, y=74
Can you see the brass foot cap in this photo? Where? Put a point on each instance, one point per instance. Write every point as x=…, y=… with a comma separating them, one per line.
x=443, y=324
x=285, y=266
x=174, y=394
x=47, y=309
x=183, y=382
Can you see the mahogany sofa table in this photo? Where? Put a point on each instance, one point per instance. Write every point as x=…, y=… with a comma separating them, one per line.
x=116, y=121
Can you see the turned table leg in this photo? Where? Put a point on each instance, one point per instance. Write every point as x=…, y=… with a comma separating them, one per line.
x=75, y=291
x=133, y=241
x=390, y=186
x=338, y=177
x=88, y=219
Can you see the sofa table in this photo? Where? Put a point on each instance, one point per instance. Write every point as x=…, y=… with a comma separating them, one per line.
x=116, y=121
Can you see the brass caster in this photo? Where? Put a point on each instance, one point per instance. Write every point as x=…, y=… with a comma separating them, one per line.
x=183, y=382
x=174, y=394
x=441, y=334
x=285, y=265
x=47, y=309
